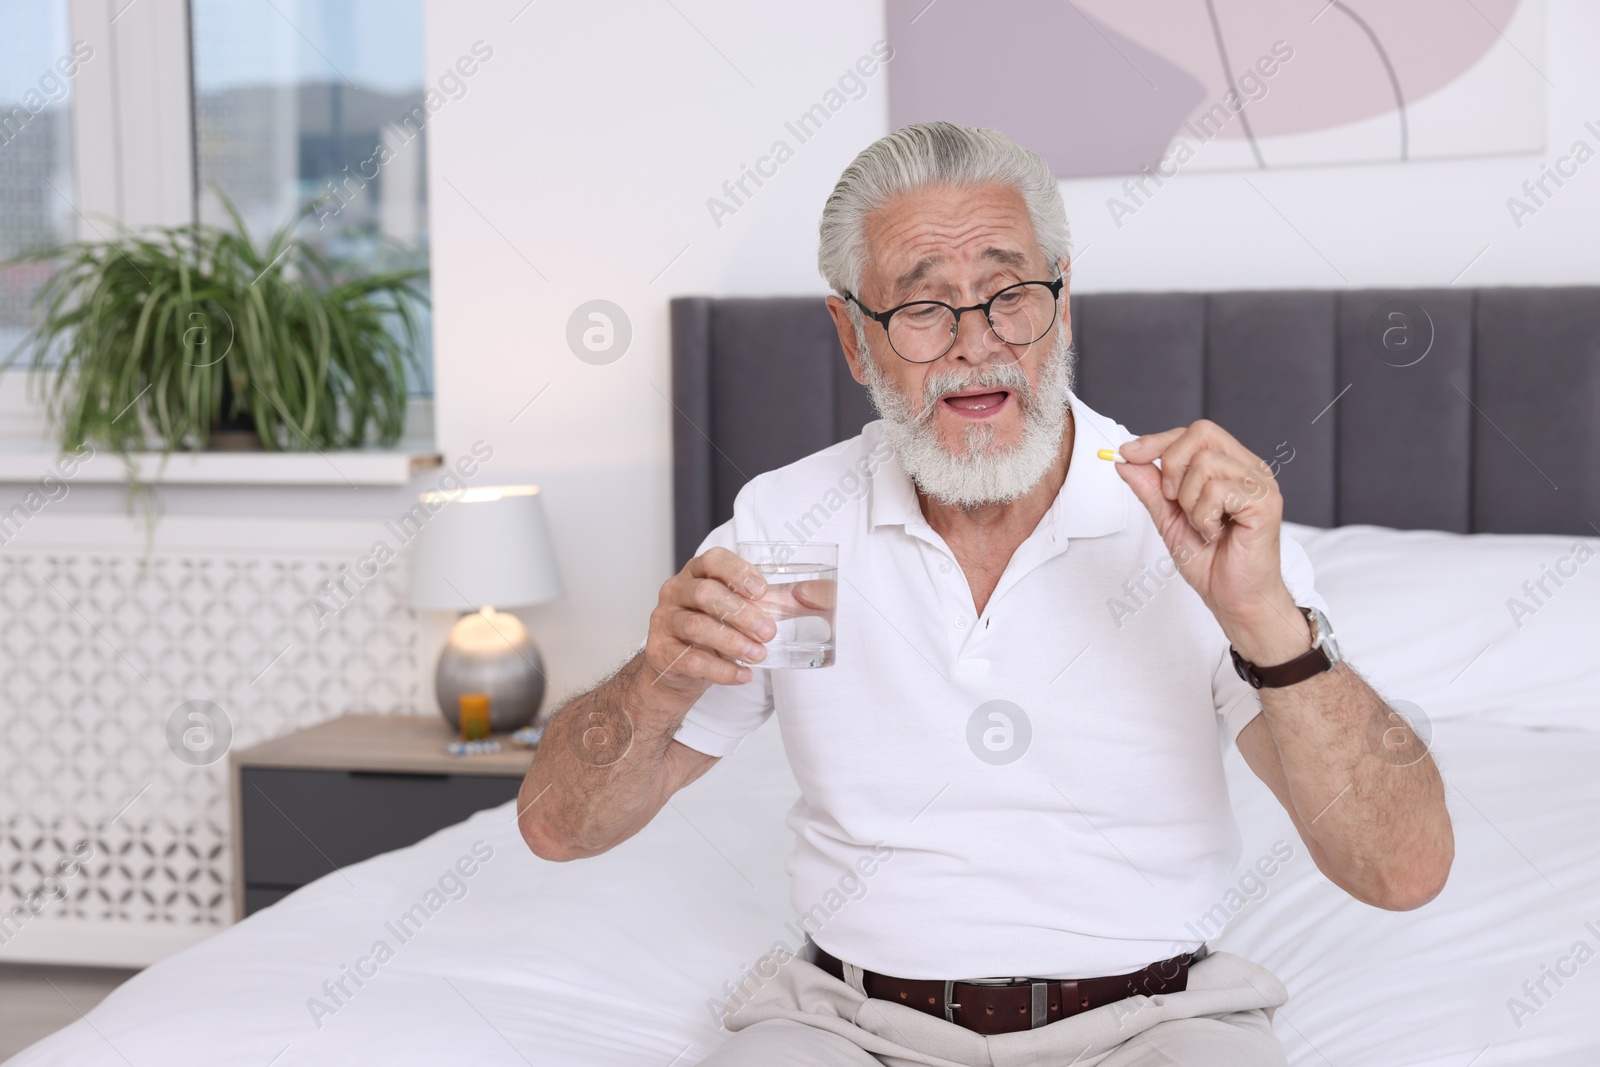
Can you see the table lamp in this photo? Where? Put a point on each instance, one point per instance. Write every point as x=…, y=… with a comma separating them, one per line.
x=482, y=549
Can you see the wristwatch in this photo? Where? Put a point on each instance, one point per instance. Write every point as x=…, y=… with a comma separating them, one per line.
x=1323, y=656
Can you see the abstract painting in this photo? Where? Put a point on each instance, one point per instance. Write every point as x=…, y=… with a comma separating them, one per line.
x=1111, y=87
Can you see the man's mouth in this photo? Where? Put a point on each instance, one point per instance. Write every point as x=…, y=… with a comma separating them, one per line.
x=977, y=404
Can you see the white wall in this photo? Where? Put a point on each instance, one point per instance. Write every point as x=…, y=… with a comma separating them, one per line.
x=588, y=145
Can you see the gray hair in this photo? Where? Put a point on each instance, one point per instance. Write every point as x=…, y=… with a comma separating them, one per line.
x=931, y=154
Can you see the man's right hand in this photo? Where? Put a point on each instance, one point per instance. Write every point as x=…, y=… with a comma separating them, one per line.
x=706, y=618
x=611, y=754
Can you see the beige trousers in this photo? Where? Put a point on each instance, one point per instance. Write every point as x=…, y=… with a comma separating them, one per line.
x=791, y=1013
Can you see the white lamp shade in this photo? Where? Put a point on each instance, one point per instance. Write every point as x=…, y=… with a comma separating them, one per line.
x=486, y=547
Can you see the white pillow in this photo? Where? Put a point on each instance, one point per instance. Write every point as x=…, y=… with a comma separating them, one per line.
x=1493, y=627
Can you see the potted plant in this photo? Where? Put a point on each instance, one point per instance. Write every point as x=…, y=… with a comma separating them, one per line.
x=188, y=337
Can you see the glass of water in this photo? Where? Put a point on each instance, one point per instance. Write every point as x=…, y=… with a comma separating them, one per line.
x=802, y=589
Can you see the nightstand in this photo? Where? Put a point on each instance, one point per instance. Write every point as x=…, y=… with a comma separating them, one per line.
x=330, y=795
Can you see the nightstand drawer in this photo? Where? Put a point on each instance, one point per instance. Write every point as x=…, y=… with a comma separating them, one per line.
x=298, y=825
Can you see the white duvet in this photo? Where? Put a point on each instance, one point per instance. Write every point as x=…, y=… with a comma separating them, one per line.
x=466, y=948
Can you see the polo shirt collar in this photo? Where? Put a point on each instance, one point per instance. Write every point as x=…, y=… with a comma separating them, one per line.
x=1092, y=502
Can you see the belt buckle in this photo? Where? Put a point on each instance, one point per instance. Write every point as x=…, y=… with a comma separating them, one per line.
x=1039, y=991
x=950, y=987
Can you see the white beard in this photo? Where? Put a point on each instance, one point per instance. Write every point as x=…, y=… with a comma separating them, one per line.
x=983, y=473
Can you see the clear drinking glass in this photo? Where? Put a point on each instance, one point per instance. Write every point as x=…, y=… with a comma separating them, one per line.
x=802, y=589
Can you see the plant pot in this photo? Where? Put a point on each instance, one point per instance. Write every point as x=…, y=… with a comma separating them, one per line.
x=234, y=441
x=235, y=432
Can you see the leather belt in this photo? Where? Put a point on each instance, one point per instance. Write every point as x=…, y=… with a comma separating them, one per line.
x=1005, y=1005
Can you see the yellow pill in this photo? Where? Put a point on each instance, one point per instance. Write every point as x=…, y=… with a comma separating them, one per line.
x=1110, y=454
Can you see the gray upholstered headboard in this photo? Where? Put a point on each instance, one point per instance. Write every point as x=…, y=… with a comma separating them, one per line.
x=1495, y=428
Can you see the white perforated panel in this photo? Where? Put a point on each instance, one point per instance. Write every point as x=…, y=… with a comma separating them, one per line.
x=100, y=640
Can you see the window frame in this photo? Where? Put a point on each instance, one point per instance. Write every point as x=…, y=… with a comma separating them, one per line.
x=133, y=128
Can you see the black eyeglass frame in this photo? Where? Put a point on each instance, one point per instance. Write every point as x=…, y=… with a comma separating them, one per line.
x=882, y=317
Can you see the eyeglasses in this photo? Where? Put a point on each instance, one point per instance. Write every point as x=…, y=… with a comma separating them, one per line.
x=924, y=330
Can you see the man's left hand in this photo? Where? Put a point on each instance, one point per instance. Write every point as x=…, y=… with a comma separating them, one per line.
x=1219, y=512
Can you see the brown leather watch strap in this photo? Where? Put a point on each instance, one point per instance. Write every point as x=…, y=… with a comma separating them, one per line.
x=1298, y=669
x=1306, y=665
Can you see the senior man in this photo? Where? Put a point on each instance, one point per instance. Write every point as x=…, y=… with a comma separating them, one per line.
x=1034, y=867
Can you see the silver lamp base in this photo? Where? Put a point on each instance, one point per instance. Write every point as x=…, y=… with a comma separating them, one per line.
x=490, y=652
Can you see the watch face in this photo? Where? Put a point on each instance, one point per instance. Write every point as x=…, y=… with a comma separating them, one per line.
x=1325, y=639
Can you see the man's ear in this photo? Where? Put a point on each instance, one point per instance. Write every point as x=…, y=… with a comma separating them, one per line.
x=1065, y=266
x=847, y=338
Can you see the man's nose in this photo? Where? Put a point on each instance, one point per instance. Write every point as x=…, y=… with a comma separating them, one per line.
x=975, y=341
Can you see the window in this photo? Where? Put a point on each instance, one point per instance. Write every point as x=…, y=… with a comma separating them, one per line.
x=144, y=114
x=303, y=105
x=37, y=69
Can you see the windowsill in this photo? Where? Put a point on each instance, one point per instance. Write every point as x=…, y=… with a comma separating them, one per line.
x=348, y=469
x=27, y=454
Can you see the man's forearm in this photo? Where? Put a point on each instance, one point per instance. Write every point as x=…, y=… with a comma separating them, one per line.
x=594, y=778
x=609, y=760
x=1363, y=787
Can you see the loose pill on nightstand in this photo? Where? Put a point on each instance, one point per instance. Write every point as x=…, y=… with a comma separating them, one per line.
x=1111, y=454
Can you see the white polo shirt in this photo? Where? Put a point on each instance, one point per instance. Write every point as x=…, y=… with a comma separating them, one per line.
x=1078, y=827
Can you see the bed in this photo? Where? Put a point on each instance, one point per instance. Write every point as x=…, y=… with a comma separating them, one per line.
x=625, y=958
